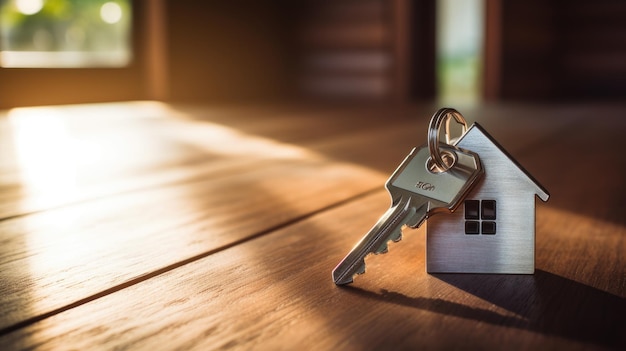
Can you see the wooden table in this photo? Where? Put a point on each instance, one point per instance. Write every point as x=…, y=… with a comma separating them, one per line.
x=144, y=225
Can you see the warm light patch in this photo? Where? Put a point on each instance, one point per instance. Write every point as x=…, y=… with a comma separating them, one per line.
x=111, y=12
x=29, y=7
x=44, y=151
x=222, y=140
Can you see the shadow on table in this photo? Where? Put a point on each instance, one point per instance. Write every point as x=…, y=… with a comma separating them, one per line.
x=544, y=303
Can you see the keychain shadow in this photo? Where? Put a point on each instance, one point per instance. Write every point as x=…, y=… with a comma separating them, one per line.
x=436, y=305
x=544, y=302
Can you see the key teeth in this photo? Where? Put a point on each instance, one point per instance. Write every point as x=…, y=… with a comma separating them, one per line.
x=396, y=236
x=382, y=249
x=361, y=269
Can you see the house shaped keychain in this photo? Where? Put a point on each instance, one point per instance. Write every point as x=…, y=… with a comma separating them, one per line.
x=486, y=202
x=493, y=230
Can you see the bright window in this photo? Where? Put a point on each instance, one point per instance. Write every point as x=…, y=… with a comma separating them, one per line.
x=65, y=33
x=459, y=50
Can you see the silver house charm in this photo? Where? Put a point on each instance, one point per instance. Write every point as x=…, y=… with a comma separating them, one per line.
x=493, y=230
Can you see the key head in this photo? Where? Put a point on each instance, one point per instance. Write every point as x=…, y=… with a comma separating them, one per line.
x=444, y=190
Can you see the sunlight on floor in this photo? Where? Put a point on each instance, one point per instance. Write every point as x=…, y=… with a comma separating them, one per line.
x=59, y=155
x=46, y=154
x=226, y=141
x=59, y=152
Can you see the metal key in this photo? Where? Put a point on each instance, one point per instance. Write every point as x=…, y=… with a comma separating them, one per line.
x=418, y=190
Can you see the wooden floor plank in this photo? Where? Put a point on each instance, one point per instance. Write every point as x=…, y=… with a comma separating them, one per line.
x=54, y=156
x=113, y=240
x=133, y=146
x=275, y=291
x=31, y=246
x=585, y=170
x=54, y=258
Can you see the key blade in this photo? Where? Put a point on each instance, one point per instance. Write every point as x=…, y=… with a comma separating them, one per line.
x=384, y=229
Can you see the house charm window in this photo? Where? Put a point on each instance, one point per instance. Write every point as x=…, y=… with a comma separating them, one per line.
x=480, y=217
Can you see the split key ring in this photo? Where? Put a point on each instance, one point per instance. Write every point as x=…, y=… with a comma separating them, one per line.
x=443, y=160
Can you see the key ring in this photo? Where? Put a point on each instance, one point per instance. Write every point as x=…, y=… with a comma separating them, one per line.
x=441, y=116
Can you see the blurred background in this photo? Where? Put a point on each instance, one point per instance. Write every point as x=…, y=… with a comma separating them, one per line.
x=358, y=51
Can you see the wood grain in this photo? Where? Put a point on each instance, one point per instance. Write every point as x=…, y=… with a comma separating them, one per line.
x=142, y=145
x=236, y=252
x=243, y=298
x=174, y=211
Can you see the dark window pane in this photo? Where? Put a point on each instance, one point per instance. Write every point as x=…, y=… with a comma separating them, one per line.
x=489, y=227
x=471, y=209
x=489, y=209
x=472, y=227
